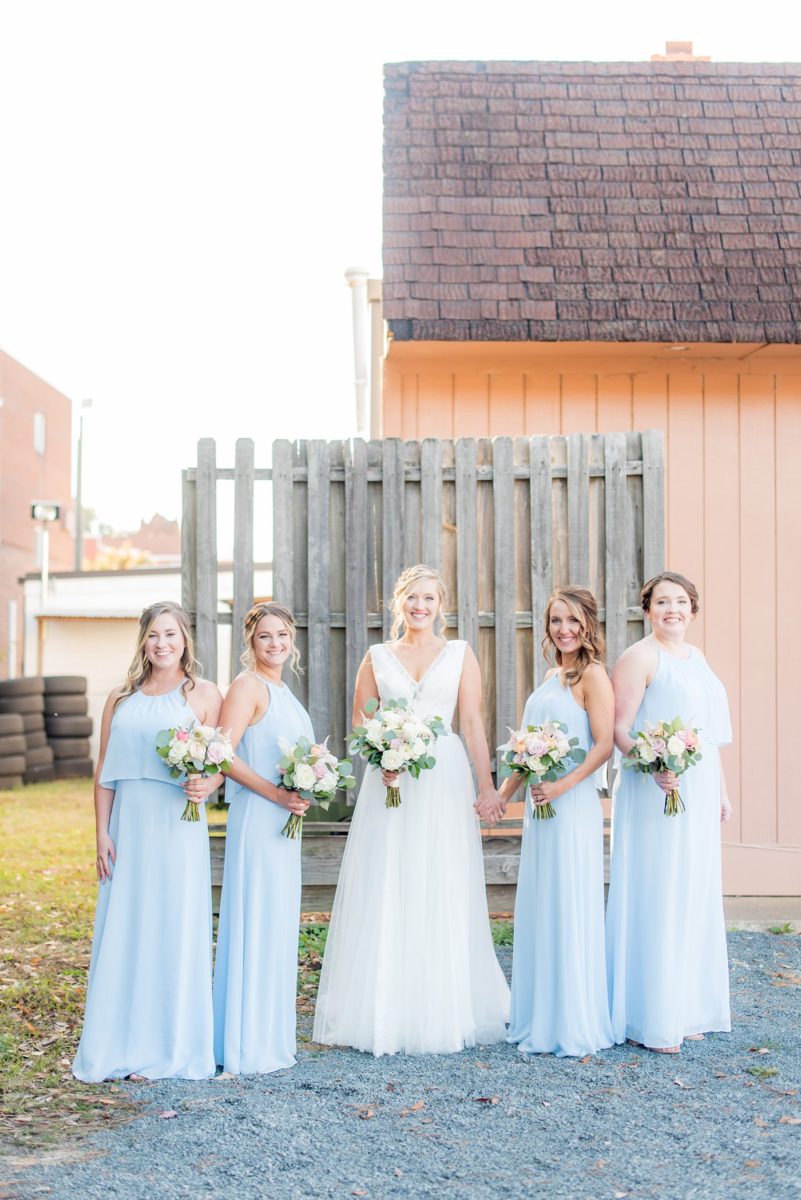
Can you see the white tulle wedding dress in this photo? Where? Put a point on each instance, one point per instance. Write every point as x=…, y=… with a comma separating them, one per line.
x=409, y=965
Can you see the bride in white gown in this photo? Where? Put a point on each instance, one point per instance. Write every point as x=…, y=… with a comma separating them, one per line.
x=409, y=964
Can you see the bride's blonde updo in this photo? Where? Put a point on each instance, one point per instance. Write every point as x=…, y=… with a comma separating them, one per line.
x=405, y=582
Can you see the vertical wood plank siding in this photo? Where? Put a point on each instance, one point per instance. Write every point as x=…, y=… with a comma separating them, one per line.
x=244, y=478
x=490, y=513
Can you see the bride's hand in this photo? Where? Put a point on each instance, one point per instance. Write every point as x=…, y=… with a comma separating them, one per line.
x=489, y=806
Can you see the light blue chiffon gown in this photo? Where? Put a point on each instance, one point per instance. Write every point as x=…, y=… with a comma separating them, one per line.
x=148, y=1004
x=255, y=972
x=666, y=939
x=559, y=999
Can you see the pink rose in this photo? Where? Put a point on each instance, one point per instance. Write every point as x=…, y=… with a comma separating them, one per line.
x=215, y=753
x=320, y=769
x=396, y=744
x=182, y=735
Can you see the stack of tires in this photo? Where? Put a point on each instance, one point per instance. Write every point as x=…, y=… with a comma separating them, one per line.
x=25, y=756
x=68, y=726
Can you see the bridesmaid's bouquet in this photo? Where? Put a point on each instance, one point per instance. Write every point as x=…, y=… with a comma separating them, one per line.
x=395, y=739
x=539, y=752
x=665, y=746
x=195, y=750
x=312, y=770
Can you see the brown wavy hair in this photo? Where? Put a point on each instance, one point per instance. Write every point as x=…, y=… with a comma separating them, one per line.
x=670, y=577
x=582, y=605
x=141, y=668
x=403, y=583
x=268, y=608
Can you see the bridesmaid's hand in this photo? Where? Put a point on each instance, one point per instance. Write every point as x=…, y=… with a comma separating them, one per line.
x=106, y=855
x=545, y=791
x=292, y=801
x=725, y=809
x=666, y=780
x=198, y=788
x=390, y=778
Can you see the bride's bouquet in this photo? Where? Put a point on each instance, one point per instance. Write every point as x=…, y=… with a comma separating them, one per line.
x=195, y=750
x=395, y=739
x=312, y=770
x=539, y=752
x=665, y=746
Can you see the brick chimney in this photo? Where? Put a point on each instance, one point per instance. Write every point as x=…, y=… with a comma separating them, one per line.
x=679, y=52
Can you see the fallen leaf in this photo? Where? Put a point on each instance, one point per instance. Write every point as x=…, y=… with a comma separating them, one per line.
x=390, y=1086
x=486, y=1099
x=398, y=1173
x=762, y=1124
x=359, y=1192
x=587, y=1058
x=758, y=1050
x=404, y=1112
x=720, y=1074
x=751, y=1162
x=222, y=1077
x=790, y=1120
x=484, y=1066
x=680, y=1083
x=168, y=1114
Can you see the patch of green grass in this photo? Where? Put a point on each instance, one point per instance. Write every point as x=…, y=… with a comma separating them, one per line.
x=502, y=933
x=48, y=886
x=787, y=927
x=762, y=1072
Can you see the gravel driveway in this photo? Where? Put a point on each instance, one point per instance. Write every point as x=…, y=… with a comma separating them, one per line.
x=722, y=1119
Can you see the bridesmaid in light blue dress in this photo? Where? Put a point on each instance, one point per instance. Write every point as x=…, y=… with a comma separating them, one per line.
x=559, y=1000
x=148, y=1004
x=255, y=972
x=666, y=938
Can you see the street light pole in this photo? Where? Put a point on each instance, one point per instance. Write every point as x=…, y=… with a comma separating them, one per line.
x=85, y=404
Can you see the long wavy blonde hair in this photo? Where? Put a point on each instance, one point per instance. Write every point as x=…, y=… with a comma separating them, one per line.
x=582, y=605
x=268, y=608
x=405, y=581
x=141, y=668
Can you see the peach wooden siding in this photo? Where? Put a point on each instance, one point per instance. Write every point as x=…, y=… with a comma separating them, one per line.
x=731, y=417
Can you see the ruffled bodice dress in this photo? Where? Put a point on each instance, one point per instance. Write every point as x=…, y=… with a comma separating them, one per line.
x=409, y=964
x=559, y=1000
x=666, y=940
x=148, y=1003
x=255, y=971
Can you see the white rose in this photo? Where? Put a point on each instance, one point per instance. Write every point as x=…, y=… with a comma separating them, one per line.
x=176, y=754
x=304, y=776
x=534, y=765
x=392, y=719
x=410, y=729
x=417, y=748
x=196, y=748
x=206, y=732
x=645, y=753
x=326, y=783
x=392, y=760
x=675, y=745
x=375, y=733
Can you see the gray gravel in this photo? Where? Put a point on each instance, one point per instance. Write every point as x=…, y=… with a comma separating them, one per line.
x=483, y=1123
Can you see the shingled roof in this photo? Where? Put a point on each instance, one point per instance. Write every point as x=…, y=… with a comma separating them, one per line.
x=655, y=201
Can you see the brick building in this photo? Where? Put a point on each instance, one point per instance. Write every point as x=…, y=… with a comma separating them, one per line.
x=598, y=247
x=35, y=463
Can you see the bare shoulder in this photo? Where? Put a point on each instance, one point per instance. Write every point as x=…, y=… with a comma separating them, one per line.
x=640, y=654
x=244, y=684
x=206, y=692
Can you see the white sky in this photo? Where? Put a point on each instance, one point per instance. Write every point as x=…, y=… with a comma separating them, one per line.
x=185, y=183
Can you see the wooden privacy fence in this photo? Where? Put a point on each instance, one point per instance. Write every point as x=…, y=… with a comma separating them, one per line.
x=503, y=519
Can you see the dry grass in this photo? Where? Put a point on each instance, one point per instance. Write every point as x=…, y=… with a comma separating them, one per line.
x=47, y=885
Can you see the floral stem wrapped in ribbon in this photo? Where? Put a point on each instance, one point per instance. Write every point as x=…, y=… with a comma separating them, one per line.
x=537, y=753
x=665, y=746
x=195, y=750
x=310, y=769
x=393, y=738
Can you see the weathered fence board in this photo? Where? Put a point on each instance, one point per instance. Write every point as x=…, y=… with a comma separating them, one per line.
x=504, y=519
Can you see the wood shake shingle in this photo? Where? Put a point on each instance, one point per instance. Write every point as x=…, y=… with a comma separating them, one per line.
x=656, y=201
